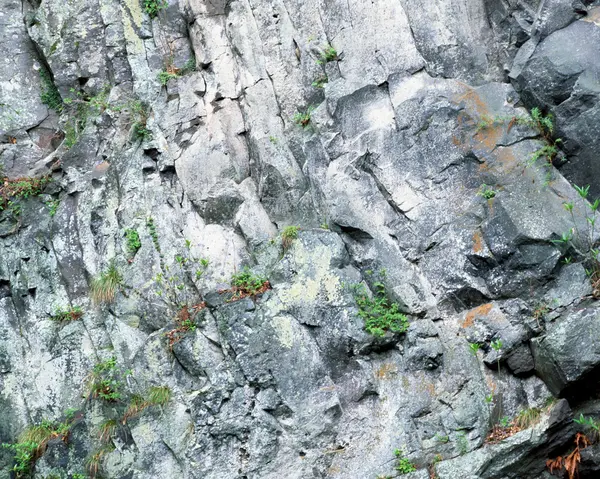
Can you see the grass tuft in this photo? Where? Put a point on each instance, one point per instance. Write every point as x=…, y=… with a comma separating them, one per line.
x=104, y=287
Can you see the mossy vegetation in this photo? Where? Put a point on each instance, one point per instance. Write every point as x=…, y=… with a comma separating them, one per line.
x=50, y=95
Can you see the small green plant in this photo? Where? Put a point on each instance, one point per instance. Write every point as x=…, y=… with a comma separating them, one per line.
x=50, y=95
x=505, y=421
x=25, y=455
x=32, y=444
x=164, y=77
x=303, y=118
x=474, y=347
x=403, y=465
x=104, y=287
x=133, y=241
x=329, y=54
x=246, y=283
x=78, y=475
x=486, y=192
x=13, y=192
x=378, y=312
x=81, y=107
x=273, y=140
x=139, y=119
x=153, y=7
x=68, y=314
x=442, y=438
x=582, y=240
x=105, y=381
x=320, y=81
x=52, y=207
x=590, y=425
x=489, y=399
x=436, y=460
x=288, y=235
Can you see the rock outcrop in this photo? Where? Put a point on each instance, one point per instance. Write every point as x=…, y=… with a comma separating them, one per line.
x=204, y=203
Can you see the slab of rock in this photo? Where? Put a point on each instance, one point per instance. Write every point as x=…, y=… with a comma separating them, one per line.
x=567, y=357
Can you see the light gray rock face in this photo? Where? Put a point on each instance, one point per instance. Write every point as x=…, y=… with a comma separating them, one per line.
x=562, y=76
x=566, y=357
x=177, y=158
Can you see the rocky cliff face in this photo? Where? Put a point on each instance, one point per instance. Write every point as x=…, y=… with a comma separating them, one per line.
x=217, y=217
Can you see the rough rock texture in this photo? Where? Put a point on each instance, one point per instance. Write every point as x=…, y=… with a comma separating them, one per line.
x=421, y=110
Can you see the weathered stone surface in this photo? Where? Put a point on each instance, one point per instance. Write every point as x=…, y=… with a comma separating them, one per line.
x=519, y=456
x=411, y=118
x=567, y=356
x=562, y=76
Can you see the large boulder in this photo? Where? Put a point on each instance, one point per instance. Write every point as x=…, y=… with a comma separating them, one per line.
x=567, y=357
x=561, y=75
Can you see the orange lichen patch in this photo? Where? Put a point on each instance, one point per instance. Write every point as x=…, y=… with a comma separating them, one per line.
x=386, y=371
x=477, y=242
x=506, y=155
x=472, y=102
x=482, y=310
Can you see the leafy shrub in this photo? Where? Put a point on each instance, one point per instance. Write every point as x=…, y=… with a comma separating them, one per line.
x=105, y=381
x=303, y=118
x=486, y=192
x=32, y=444
x=163, y=77
x=329, y=54
x=133, y=241
x=12, y=192
x=153, y=7
x=379, y=314
x=246, y=283
x=403, y=465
